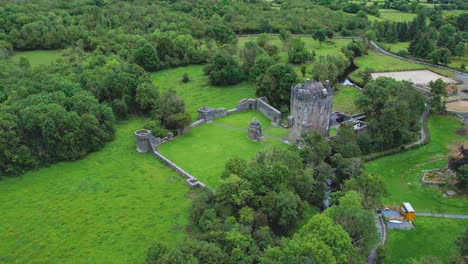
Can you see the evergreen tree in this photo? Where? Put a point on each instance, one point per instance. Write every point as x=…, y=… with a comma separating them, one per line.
x=147, y=58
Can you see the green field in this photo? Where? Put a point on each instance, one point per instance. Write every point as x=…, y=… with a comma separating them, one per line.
x=106, y=208
x=430, y=237
x=38, y=57
x=343, y=99
x=197, y=92
x=396, y=47
x=379, y=62
x=395, y=15
x=454, y=63
x=204, y=150
x=402, y=172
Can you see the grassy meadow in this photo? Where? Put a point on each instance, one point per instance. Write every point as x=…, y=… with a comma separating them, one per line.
x=430, y=237
x=198, y=92
x=455, y=62
x=38, y=57
x=204, y=150
x=396, y=16
x=402, y=172
x=106, y=208
x=343, y=99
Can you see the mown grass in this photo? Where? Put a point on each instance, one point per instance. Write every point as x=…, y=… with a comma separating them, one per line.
x=38, y=57
x=197, y=92
x=402, y=172
x=396, y=16
x=430, y=237
x=204, y=150
x=106, y=208
x=344, y=98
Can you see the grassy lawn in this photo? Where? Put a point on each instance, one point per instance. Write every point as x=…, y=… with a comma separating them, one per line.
x=204, y=150
x=395, y=15
x=430, y=237
x=402, y=172
x=197, y=92
x=106, y=208
x=38, y=57
x=343, y=99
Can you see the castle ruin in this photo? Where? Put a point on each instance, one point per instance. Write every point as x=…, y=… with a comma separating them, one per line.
x=310, y=110
x=255, y=130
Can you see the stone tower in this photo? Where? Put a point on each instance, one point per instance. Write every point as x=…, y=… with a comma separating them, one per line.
x=255, y=130
x=142, y=137
x=310, y=110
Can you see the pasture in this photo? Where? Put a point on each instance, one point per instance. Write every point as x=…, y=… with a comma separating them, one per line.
x=396, y=16
x=106, y=208
x=430, y=237
x=198, y=92
x=344, y=98
x=38, y=57
x=455, y=62
x=402, y=172
x=204, y=150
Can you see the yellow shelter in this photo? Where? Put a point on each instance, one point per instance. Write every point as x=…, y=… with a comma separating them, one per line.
x=407, y=211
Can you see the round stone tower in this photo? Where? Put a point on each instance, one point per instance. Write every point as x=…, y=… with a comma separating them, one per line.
x=142, y=136
x=310, y=110
x=255, y=130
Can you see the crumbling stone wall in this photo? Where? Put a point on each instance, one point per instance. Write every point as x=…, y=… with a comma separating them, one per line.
x=208, y=113
x=269, y=111
x=146, y=141
x=259, y=104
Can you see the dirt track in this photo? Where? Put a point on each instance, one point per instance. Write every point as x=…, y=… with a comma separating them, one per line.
x=417, y=77
x=459, y=106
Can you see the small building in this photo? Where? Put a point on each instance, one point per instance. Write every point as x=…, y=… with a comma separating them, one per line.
x=407, y=211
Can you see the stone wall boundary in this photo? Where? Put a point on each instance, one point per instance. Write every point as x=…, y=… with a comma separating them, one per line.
x=269, y=111
x=259, y=104
x=189, y=179
x=147, y=142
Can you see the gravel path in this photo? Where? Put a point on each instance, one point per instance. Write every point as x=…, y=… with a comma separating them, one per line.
x=456, y=216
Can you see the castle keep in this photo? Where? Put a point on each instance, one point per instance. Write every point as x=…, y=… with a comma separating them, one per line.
x=311, y=104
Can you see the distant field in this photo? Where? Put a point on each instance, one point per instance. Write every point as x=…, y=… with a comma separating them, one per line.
x=430, y=237
x=204, y=150
x=454, y=63
x=197, y=92
x=343, y=100
x=38, y=57
x=396, y=47
x=402, y=172
x=106, y=208
x=447, y=13
x=395, y=15
x=379, y=62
